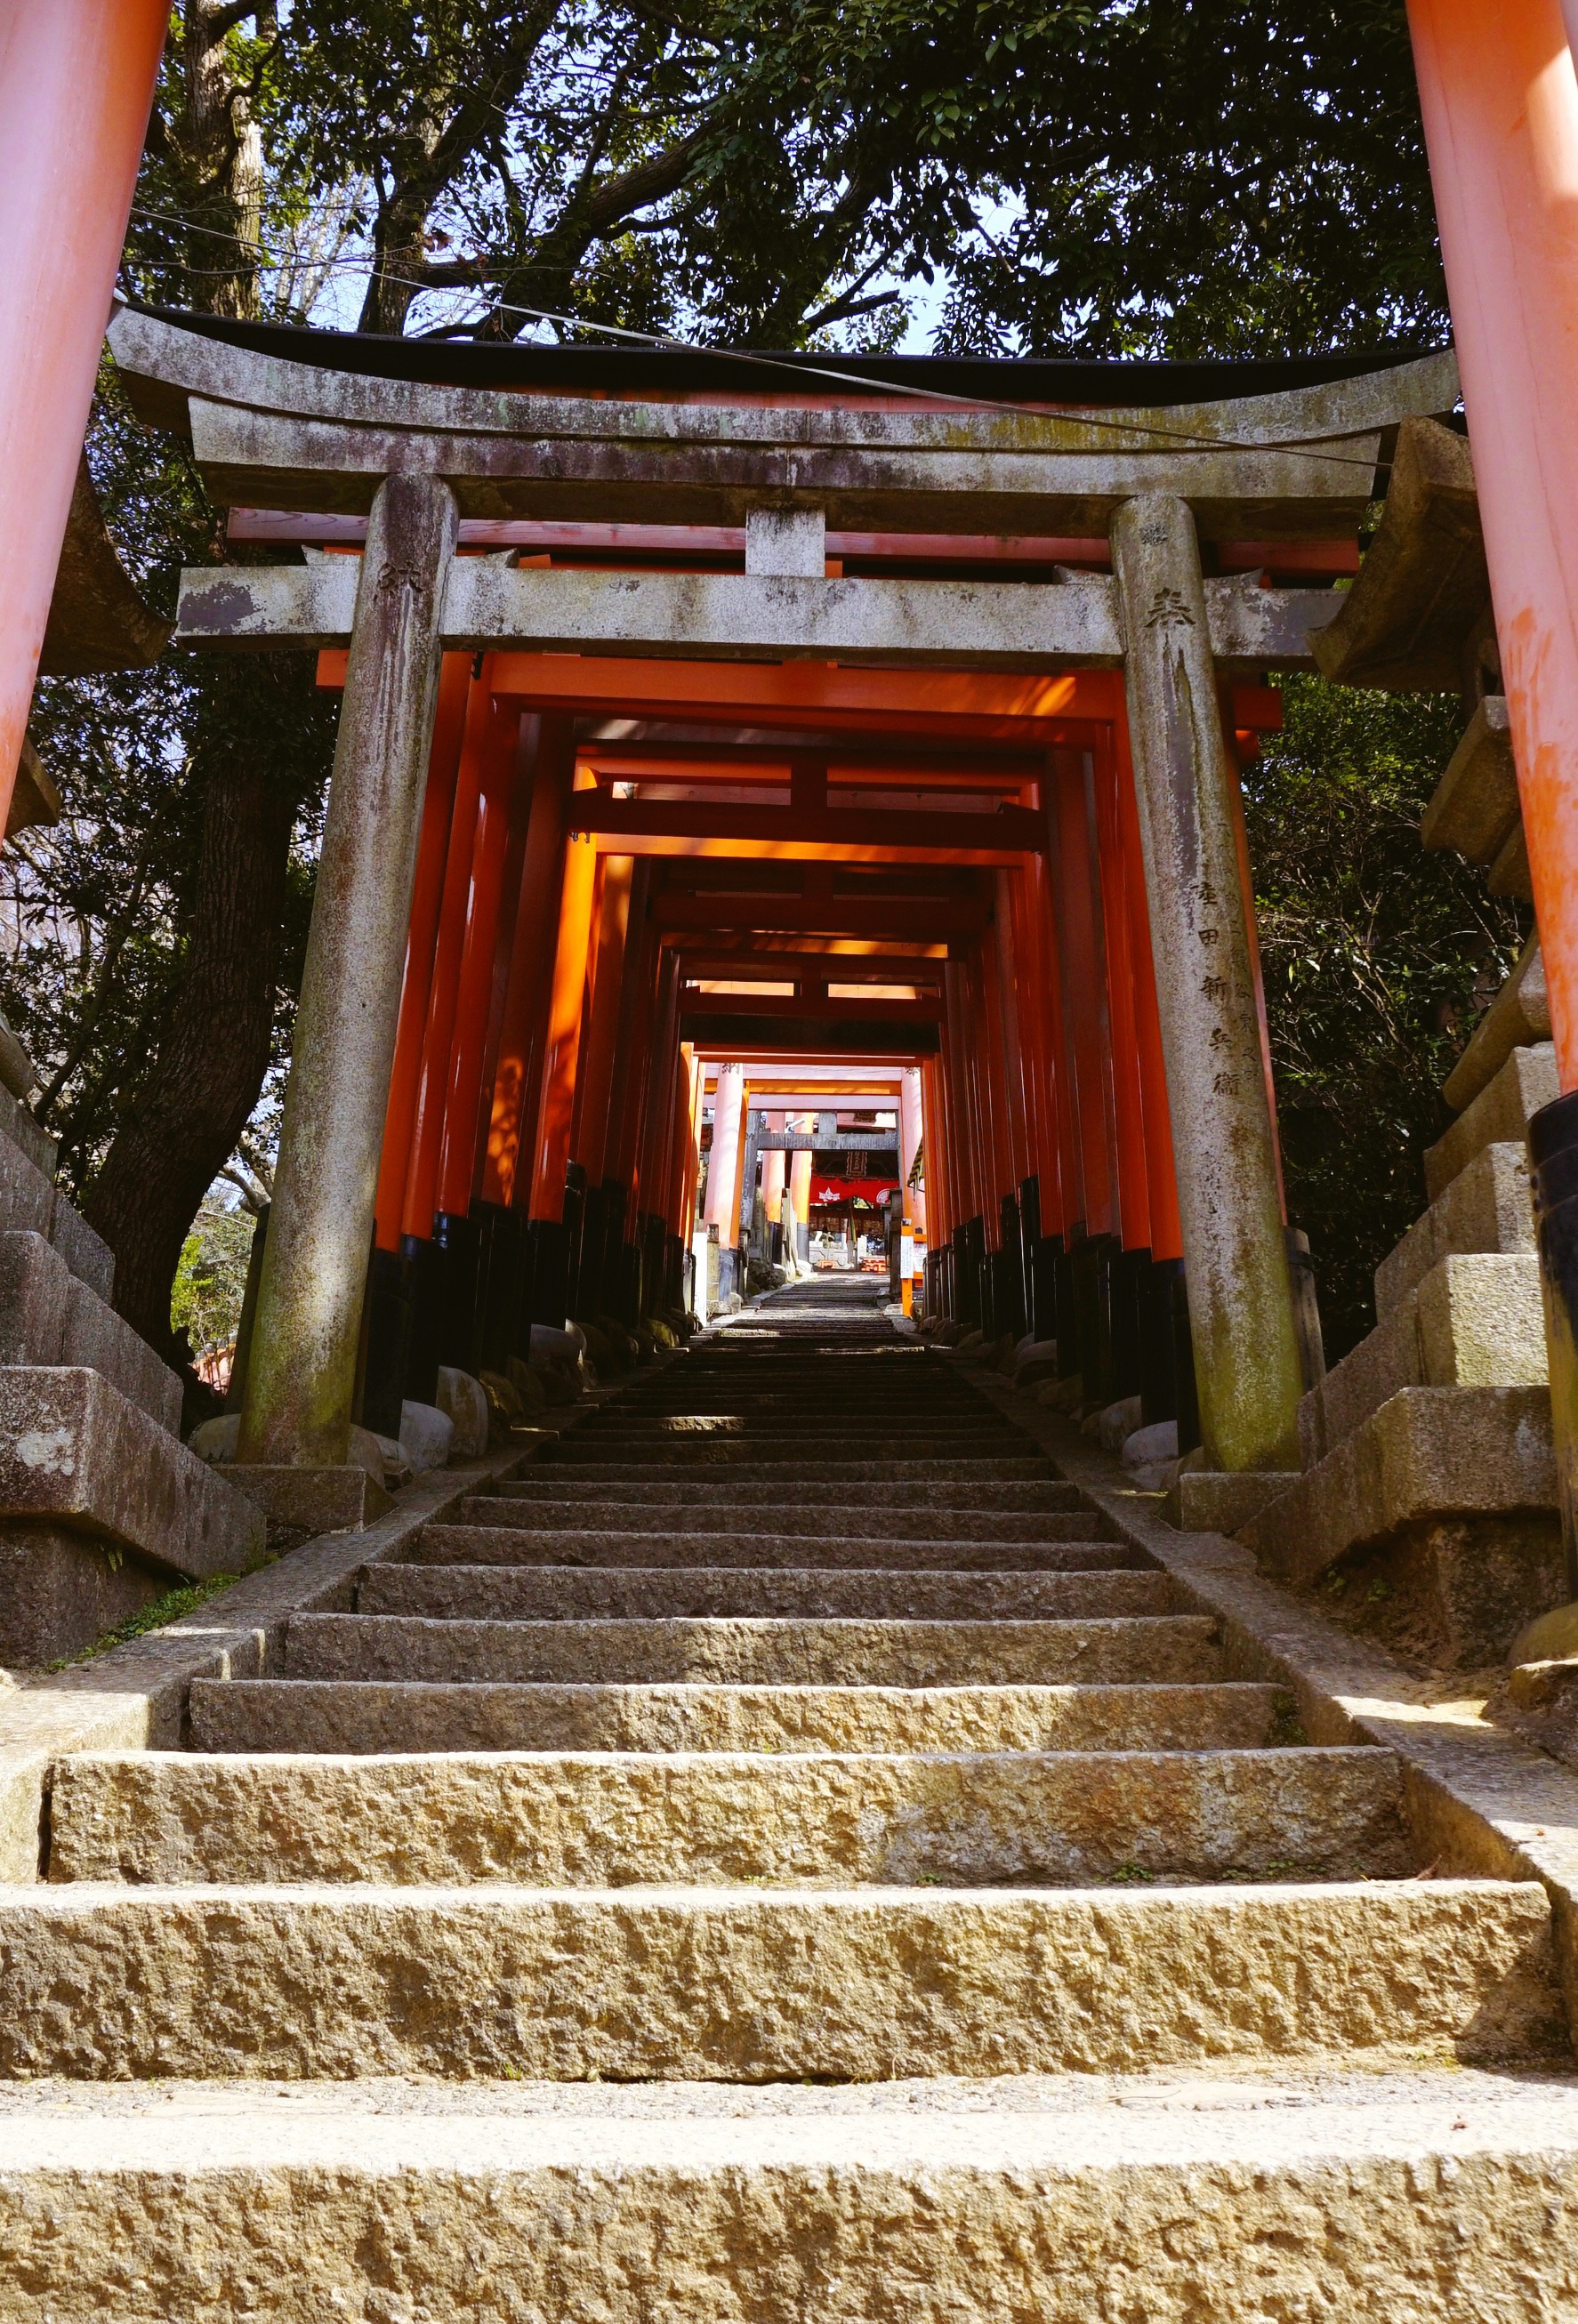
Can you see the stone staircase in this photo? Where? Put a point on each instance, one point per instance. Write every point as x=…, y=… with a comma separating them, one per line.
x=779, y=1855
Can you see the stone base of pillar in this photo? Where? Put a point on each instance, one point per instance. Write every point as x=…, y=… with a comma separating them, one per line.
x=340, y=1500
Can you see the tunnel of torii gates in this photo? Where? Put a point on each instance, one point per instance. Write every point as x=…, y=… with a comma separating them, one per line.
x=914, y=698
x=693, y=719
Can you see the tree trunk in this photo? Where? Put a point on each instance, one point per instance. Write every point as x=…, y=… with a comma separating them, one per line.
x=183, y=1123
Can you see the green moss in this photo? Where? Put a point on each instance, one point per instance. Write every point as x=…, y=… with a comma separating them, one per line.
x=163, y=1611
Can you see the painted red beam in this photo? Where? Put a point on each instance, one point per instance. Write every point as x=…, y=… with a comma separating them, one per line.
x=832, y=833
x=809, y=1007
x=926, y=919
x=560, y=537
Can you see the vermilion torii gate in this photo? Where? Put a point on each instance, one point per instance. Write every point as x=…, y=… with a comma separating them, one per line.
x=1500, y=104
x=1094, y=1064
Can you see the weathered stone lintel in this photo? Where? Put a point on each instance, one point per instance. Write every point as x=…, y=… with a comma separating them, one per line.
x=734, y=616
x=166, y=365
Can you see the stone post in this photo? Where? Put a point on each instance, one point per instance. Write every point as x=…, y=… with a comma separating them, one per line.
x=1241, y=1304
x=302, y=1377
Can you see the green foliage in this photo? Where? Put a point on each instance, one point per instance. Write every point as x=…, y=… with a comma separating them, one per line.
x=1378, y=959
x=211, y=1278
x=172, y=1607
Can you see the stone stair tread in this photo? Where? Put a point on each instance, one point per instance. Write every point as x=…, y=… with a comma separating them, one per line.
x=723, y=1985
x=546, y=1593
x=953, y=1469
x=1030, y=1496
x=384, y=1715
x=985, y=2195
x=474, y=1544
x=759, y=1648
x=910, y=1526
x=580, y=1818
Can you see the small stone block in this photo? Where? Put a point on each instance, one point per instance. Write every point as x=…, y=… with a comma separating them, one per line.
x=75, y=1451
x=1481, y=1322
x=1220, y=1500
x=87, y=1254
x=343, y=1499
x=1475, y=803
x=1498, y=1116
x=34, y=1292
x=1486, y=1207
x=1429, y=1453
x=27, y=1198
x=95, y=1336
x=59, y=1592
x=25, y=1130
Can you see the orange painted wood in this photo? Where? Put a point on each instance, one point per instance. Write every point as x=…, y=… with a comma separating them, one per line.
x=1500, y=102
x=416, y=985
x=1167, y=1237
x=76, y=84
x=458, y=1159
x=548, y=752
x=562, y=1033
x=420, y=1199
x=1123, y=1046
x=1084, y=984
x=595, y=1095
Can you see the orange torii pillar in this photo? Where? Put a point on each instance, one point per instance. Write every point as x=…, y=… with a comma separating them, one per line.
x=1500, y=98
x=590, y=1139
x=623, y=1150
x=77, y=82
x=799, y=1190
x=723, y=1171
x=548, y=747
x=549, y=1232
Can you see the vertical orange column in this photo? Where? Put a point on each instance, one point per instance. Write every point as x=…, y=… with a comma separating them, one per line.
x=1061, y=1196
x=1084, y=985
x=458, y=1158
x=595, y=1096
x=1166, y=1235
x=1501, y=107
x=562, y=1041
x=76, y=84
x=549, y=750
x=422, y=1180
x=416, y=988
x=1123, y=1046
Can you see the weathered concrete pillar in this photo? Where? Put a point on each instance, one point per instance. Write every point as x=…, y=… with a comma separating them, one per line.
x=1240, y=1307
x=302, y=1377
x=800, y=1197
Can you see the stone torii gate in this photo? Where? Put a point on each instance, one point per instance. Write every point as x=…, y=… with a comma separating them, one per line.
x=418, y=457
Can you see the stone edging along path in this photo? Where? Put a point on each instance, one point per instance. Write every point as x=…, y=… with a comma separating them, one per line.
x=1486, y=1804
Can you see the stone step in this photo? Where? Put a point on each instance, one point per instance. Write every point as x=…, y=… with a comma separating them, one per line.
x=110, y=1984
x=343, y=1715
x=1486, y=1207
x=791, y=1468
x=501, y=1545
x=711, y=1491
x=575, y=1820
x=925, y=1450
x=911, y=1525
x=524, y=1593
x=1430, y=2195
x=1177, y=1649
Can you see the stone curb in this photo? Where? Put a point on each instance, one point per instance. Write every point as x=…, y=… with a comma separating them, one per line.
x=134, y=1697
x=1487, y=1804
